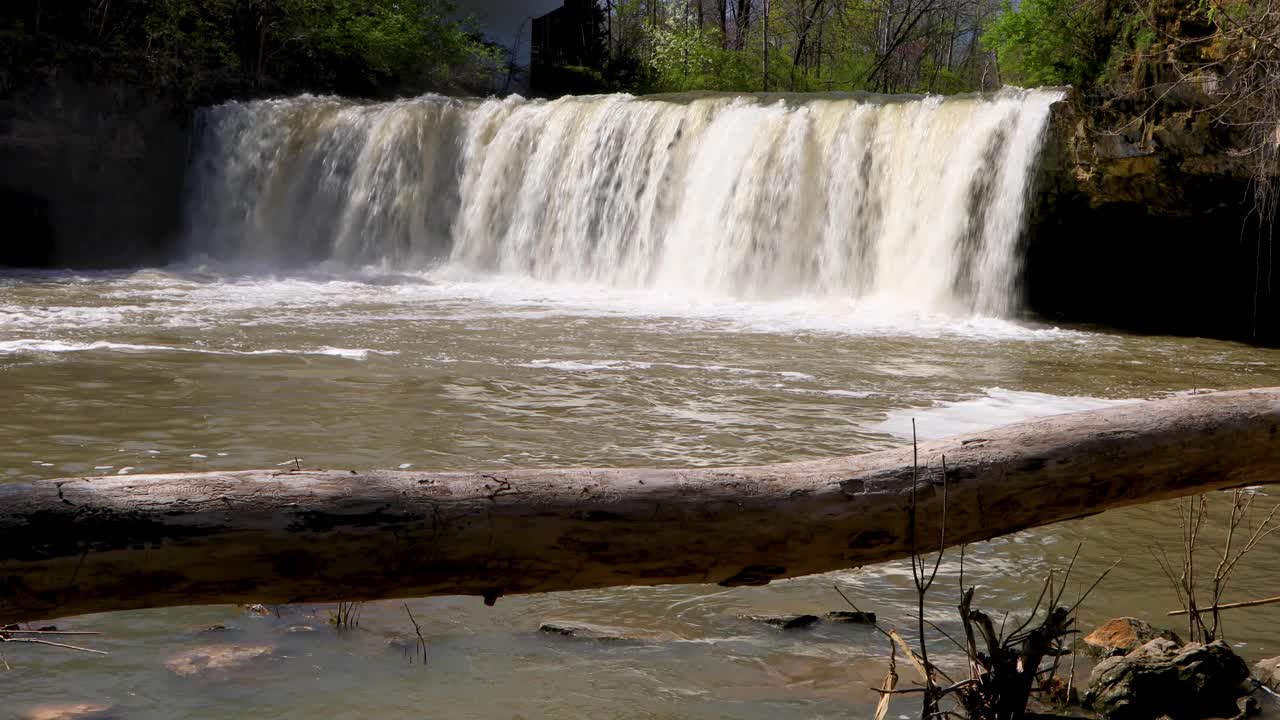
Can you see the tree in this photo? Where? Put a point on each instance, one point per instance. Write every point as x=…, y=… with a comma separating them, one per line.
x=1052, y=42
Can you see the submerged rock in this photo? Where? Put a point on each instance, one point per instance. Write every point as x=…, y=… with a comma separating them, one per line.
x=587, y=631
x=214, y=658
x=786, y=622
x=69, y=711
x=851, y=616
x=1122, y=636
x=1161, y=679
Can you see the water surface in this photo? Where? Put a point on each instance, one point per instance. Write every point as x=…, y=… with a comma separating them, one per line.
x=195, y=368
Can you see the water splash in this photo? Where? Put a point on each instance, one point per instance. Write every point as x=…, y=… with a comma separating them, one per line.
x=918, y=200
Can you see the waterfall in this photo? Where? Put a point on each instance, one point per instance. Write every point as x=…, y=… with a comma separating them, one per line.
x=754, y=197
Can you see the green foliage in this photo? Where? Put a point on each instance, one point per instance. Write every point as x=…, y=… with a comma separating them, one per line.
x=200, y=51
x=685, y=57
x=1050, y=42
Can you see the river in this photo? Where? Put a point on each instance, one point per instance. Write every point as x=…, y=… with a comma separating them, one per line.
x=240, y=355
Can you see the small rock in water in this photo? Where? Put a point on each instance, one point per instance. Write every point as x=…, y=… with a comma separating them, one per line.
x=786, y=622
x=851, y=616
x=301, y=628
x=1123, y=635
x=69, y=711
x=1267, y=672
x=1160, y=678
x=587, y=631
x=214, y=658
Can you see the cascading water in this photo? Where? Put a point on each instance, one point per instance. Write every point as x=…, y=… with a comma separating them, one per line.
x=919, y=200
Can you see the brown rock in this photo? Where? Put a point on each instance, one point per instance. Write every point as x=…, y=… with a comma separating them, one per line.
x=215, y=658
x=70, y=711
x=1123, y=635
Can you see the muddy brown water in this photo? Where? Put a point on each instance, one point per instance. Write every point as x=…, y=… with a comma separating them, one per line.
x=190, y=369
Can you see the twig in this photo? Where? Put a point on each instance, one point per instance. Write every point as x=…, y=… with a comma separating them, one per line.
x=1229, y=606
x=417, y=629
x=54, y=644
x=49, y=632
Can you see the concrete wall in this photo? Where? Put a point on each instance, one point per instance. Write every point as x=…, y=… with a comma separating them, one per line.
x=93, y=175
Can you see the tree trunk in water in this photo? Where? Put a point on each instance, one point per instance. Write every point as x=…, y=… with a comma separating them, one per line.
x=122, y=542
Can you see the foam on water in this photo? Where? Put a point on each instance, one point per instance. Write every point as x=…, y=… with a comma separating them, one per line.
x=203, y=297
x=997, y=407
x=34, y=345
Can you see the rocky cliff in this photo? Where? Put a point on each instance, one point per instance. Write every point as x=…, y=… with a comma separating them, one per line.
x=1146, y=215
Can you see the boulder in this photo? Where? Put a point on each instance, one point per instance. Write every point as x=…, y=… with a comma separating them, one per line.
x=1162, y=679
x=588, y=631
x=1122, y=636
x=214, y=659
x=1267, y=672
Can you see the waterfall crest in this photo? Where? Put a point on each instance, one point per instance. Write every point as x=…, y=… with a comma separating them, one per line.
x=756, y=197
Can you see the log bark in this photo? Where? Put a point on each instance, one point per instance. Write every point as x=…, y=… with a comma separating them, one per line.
x=122, y=542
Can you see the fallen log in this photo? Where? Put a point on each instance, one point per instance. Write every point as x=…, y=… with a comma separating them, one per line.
x=122, y=542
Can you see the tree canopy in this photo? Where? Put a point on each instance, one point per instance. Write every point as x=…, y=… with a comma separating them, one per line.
x=203, y=50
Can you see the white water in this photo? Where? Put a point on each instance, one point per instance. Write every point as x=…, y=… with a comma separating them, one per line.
x=906, y=203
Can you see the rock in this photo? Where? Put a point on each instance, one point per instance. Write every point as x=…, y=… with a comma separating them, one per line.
x=1122, y=636
x=851, y=616
x=1267, y=672
x=71, y=711
x=214, y=658
x=587, y=631
x=1161, y=679
x=786, y=622
x=301, y=629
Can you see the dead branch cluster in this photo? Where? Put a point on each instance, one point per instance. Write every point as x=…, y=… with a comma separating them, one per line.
x=1007, y=667
x=1194, y=514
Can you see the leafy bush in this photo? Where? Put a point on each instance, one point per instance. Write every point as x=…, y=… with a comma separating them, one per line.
x=1051, y=42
